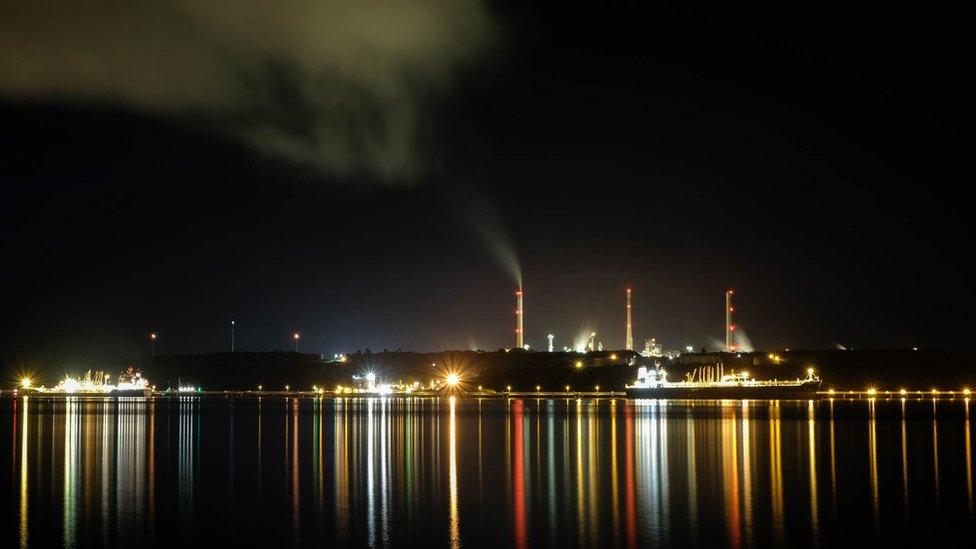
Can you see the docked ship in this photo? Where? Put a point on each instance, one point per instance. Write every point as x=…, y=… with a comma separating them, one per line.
x=129, y=383
x=653, y=383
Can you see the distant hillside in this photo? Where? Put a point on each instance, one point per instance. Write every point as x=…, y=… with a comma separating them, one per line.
x=884, y=369
x=491, y=369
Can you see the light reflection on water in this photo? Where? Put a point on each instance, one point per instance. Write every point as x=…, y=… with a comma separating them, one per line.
x=468, y=472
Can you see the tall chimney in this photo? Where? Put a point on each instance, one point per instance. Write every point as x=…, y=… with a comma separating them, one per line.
x=729, y=346
x=630, y=326
x=519, y=340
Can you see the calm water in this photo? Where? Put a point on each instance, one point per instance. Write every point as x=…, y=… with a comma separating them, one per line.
x=471, y=472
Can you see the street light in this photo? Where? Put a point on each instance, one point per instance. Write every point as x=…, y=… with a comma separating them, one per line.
x=152, y=340
x=296, y=336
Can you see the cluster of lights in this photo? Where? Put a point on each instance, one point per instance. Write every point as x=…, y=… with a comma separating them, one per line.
x=873, y=391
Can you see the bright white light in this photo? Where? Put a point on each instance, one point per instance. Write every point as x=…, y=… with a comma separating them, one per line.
x=453, y=379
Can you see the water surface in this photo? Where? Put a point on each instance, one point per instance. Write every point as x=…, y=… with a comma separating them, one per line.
x=473, y=472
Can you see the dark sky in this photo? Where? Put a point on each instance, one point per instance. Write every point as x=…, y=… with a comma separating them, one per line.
x=814, y=159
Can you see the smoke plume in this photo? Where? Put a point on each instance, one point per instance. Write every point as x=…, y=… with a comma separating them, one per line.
x=739, y=339
x=477, y=212
x=339, y=85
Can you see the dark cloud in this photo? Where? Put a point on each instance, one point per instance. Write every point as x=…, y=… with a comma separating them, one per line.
x=340, y=85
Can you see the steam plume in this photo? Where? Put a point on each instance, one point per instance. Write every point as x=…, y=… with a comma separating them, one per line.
x=339, y=85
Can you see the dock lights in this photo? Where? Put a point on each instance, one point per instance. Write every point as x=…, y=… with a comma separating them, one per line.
x=537, y=388
x=509, y=388
x=567, y=388
x=903, y=392
x=287, y=388
x=579, y=364
x=965, y=391
x=810, y=372
x=598, y=388
x=830, y=391
x=452, y=379
x=613, y=357
x=26, y=382
x=260, y=387
x=872, y=391
x=479, y=388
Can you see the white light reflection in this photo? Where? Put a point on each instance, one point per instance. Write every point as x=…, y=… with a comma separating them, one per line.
x=370, y=473
x=384, y=472
x=71, y=462
x=186, y=451
x=651, y=462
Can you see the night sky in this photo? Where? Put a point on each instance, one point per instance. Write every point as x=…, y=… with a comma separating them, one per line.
x=365, y=174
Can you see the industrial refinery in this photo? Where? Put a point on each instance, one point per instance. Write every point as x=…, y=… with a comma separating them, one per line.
x=588, y=341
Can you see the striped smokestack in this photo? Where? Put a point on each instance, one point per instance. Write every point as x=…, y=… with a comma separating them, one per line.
x=519, y=339
x=630, y=326
x=729, y=327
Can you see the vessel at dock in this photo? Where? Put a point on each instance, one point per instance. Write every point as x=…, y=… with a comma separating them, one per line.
x=129, y=383
x=653, y=383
